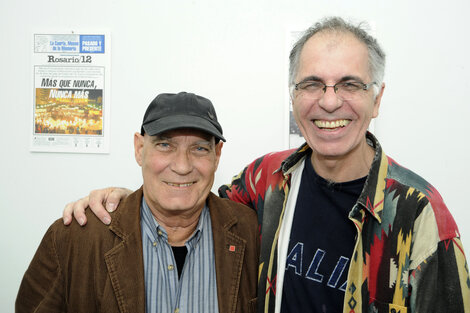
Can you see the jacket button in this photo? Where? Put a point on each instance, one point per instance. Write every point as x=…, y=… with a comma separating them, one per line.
x=393, y=311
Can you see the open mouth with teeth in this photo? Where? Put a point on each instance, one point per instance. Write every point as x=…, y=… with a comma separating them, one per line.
x=180, y=185
x=331, y=125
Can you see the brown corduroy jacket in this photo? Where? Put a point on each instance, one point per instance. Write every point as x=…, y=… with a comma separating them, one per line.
x=99, y=268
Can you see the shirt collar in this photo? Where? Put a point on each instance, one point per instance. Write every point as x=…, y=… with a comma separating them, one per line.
x=372, y=194
x=159, y=231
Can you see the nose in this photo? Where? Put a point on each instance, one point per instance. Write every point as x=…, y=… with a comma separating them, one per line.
x=330, y=101
x=182, y=164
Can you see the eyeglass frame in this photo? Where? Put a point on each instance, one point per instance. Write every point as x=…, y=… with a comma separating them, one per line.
x=335, y=86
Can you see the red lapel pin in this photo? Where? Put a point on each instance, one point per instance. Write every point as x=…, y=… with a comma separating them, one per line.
x=231, y=248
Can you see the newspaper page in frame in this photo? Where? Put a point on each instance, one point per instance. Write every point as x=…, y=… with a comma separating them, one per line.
x=71, y=92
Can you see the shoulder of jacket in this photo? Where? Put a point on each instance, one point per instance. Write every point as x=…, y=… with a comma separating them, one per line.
x=408, y=178
x=242, y=212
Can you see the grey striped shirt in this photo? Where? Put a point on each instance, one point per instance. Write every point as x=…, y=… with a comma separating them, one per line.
x=196, y=290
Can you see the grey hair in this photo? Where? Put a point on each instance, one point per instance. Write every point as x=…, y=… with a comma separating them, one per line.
x=337, y=24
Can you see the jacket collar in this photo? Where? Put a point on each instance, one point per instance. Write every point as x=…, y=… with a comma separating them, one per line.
x=125, y=264
x=292, y=161
x=124, y=261
x=372, y=194
x=229, y=252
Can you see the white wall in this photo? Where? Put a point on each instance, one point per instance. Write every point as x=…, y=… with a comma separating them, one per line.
x=232, y=52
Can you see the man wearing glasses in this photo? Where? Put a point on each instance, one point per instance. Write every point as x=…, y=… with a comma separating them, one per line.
x=344, y=228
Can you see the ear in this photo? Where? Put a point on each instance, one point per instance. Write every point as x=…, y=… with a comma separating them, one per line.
x=218, y=153
x=377, y=100
x=138, y=147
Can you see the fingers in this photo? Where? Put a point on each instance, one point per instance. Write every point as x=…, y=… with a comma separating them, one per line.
x=76, y=209
x=114, y=197
x=110, y=197
x=67, y=213
x=96, y=200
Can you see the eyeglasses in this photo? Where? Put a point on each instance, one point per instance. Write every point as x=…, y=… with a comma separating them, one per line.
x=314, y=90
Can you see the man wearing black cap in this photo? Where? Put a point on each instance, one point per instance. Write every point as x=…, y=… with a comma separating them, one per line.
x=175, y=248
x=344, y=228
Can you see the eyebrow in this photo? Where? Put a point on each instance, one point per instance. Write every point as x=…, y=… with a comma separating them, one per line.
x=160, y=137
x=204, y=142
x=350, y=77
x=310, y=78
x=318, y=79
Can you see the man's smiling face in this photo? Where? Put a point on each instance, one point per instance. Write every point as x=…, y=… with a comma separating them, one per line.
x=178, y=169
x=335, y=128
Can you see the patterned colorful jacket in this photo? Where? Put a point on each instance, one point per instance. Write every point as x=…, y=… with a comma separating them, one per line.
x=408, y=256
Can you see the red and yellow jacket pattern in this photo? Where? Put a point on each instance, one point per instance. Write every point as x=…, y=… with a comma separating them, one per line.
x=408, y=256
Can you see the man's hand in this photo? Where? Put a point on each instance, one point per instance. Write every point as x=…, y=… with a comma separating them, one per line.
x=109, y=197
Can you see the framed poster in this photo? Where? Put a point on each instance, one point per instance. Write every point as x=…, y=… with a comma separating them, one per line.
x=71, y=86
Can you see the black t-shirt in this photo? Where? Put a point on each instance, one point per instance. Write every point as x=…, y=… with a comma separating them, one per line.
x=321, y=243
x=180, y=256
